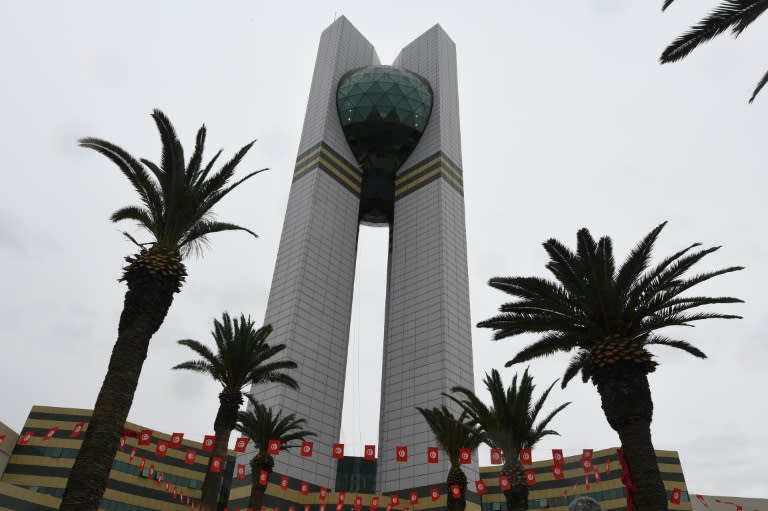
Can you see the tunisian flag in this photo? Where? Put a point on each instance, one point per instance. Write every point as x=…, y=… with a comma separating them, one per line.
x=77, y=429
x=530, y=477
x=496, y=456
x=304, y=487
x=358, y=503
x=176, y=440
x=323, y=492
x=26, y=437
x=504, y=484
x=306, y=448
x=455, y=491
x=401, y=453
x=162, y=449
x=209, y=442
x=337, y=452
x=525, y=457
x=586, y=465
x=481, y=488
x=675, y=498
x=557, y=472
x=50, y=433
x=241, y=444
x=145, y=436
x=557, y=457
x=263, y=477
x=241, y=471
x=465, y=456
x=434, y=494
x=432, y=455
x=413, y=498
x=273, y=447
x=369, y=453
x=189, y=457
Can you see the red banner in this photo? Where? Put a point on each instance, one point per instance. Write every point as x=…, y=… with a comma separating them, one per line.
x=401, y=453
x=306, y=448
x=369, y=453
x=337, y=452
x=496, y=456
x=465, y=456
x=432, y=455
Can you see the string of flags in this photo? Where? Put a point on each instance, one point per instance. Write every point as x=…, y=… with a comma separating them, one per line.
x=274, y=447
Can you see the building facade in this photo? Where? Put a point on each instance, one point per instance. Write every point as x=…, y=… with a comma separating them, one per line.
x=140, y=480
x=380, y=146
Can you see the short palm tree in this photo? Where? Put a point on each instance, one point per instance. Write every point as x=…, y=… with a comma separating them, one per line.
x=453, y=433
x=261, y=425
x=611, y=317
x=510, y=424
x=735, y=15
x=177, y=200
x=242, y=358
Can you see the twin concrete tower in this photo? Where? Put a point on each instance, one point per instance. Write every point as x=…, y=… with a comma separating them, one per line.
x=380, y=146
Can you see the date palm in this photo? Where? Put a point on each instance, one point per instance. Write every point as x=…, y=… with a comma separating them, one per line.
x=735, y=15
x=176, y=211
x=510, y=424
x=611, y=317
x=451, y=434
x=242, y=358
x=261, y=425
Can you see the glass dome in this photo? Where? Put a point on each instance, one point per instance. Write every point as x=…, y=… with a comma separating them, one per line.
x=383, y=111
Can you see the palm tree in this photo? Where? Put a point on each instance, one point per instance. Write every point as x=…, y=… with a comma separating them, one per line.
x=261, y=425
x=611, y=317
x=735, y=15
x=242, y=358
x=453, y=433
x=510, y=425
x=177, y=212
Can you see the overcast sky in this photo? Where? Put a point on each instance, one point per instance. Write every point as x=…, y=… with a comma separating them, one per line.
x=567, y=120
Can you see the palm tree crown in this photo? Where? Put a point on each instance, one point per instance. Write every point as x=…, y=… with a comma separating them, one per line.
x=452, y=433
x=735, y=15
x=511, y=422
x=242, y=356
x=609, y=315
x=261, y=425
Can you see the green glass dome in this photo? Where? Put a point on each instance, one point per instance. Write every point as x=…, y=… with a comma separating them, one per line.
x=383, y=112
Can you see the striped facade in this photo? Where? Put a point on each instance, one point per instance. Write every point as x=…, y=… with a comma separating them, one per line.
x=548, y=492
x=37, y=472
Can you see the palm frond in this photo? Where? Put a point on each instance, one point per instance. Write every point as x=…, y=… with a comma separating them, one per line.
x=667, y=3
x=544, y=347
x=681, y=345
x=759, y=87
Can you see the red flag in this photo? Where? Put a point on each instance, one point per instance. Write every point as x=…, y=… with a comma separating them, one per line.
x=394, y=499
x=530, y=477
x=306, y=507
x=273, y=447
x=339, y=507
x=304, y=488
x=26, y=437
x=481, y=488
x=342, y=496
x=189, y=457
x=702, y=500
x=557, y=472
x=53, y=431
x=133, y=453
x=306, y=448
x=389, y=507
x=675, y=498
x=597, y=476
x=162, y=449
x=337, y=452
x=174, y=492
x=77, y=429
x=525, y=456
x=557, y=457
x=586, y=482
x=240, y=471
x=586, y=465
x=145, y=436
x=496, y=456
x=375, y=502
x=241, y=443
x=209, y=442
x=2, y=439
x=122, y=443
x=152, y=471
x=358, y=503
x=322, y=507
x=176, y=440
x=284, y=483
x=434, y=493
x=504, y=483
x=608, y=467
x=432, y=455
x=141, y=465
x=455, y=491
x=369, y=453
x=323, y=493
x=401, y=453
x=586, y=454
x=263, y=477
x=159, y=477
x=413, y=498
x=465, y=456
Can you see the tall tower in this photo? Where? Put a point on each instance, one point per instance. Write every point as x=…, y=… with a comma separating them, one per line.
x=380, y=146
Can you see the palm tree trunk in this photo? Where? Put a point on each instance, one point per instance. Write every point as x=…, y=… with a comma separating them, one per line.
x=517, y=495
x=456, y=476
x=226, y=418
x=257, y=490
x=146, y=304
x=626, y=401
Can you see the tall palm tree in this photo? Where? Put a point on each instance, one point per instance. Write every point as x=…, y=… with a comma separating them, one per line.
x=735, y=15
x=611, y=317
x=242, y=358
x=176, y=210
x=510, y=425
x=453, y=433
x=261, y=425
